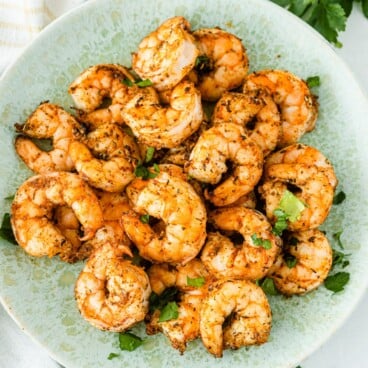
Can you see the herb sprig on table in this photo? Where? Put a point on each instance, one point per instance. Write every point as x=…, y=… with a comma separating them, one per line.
x=328, y=17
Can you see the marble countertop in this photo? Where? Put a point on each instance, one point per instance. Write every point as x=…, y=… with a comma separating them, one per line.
x=346, y=348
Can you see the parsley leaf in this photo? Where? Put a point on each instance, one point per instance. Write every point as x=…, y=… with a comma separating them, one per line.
x=339, y=197
x=168, y=312
x=143, y=172
x=196, y=282
x=313, y=81
x=337, y=237
x=145, y=218
x=265, y=243
x=112, y=356
x=159, y=301
x=149, y=154
x=129, y=341
x=290, y=260
x=268, y=286
x=339, y=259
x=140, y=83
x=337, y=281
x=6, y=231
x=281, y=222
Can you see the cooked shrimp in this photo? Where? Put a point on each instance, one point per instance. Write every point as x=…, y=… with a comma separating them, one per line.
x=113, y=205
x=208, y=162
x=112, y=293
x=32, y=210
x=119, y=155
x=298, y=106
x=222, y=64
x=48, y=121
x=304, y=264
x=254, y=110
x=173, y=201
x=185, y=327
x=160, y=126
x=249, y=258
x=167, y=54
x=312, y=179
x=94, y=85
x=248, y=309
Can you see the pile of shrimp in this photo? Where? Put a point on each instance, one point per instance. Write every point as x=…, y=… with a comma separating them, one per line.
x=153, y=193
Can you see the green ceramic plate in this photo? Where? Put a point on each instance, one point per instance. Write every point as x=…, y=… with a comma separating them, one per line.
x=38, y=293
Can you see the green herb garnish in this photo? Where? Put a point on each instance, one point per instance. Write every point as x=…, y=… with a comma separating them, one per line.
x=313, y=81
x=339, y=259
x=144, y=83
x=145, y=218
x=127, y=82
x=337, y=237
x=149, y=154
x=339, y=197
x=268, y=286
x=143, y=172
x=281, y=222
x=112, y=356
x=203, y=64
x=196, y=282
x=265, y=243
x=159, y=301
x=337, y=281
x=129, y=341
x=290, y=260
x=6, y=231
x=168, y=312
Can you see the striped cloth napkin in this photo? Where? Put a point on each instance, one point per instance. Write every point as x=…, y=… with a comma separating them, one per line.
x=22, y=20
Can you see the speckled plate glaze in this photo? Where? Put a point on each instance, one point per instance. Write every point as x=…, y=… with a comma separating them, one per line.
x=38, y=293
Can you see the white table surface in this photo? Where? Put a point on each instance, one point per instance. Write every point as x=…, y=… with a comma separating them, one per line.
x=346, y=348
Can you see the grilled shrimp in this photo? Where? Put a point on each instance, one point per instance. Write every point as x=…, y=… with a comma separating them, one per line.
x=48, y=121
x=98, y=83
x=167, y=54
x=249, y=258
x=311, y=177
x=304, y=264
x=32, y=210
x=254, y=110
x=208, y=162
x=118, y=154
x=185, y=327
x=247, y=307
x=222, y=64
x=112, y=293
x=183, y=217
x=160, y=126
x=298, y=106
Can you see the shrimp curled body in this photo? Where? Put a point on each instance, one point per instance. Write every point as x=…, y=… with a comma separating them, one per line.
x=313, y=259
x=48, y=121
x=250, y=321
x=248, y=260
x=175, y=202
x=167, y=54
x=208, y=162
x=112, y=293
x=32, y=210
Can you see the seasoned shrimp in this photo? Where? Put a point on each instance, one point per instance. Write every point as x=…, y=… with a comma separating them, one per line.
x=167, y=54
x=113, y=205
x=32, y=211
x=304, y=264
x=112, y=293
x=97, y=83
x=118, y=154
x=165, y=127
x=254, y=110
x=249, y=258
x=248, y=309
x=298, y=106
x=222, y=64
x=185, y=327
x=175, y=202
x=311, y=177
x=208, y=161
x=48, y=121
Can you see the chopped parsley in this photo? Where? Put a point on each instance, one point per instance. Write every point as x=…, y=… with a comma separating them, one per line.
x=149, y=154
x=159, y=301
x=268, y=286
x=313, y=81
x=143, y=172
x=140, y=83
x=289, y=209
x=337, y=237
x=290, y=260
x=196, y=282
x=168, y=312
x=128, y=341
x=337, y=281
x=203, y=64
x=145, y=218
x=339, y=197
x=112, y=356
x=339, y=259
x=265, y=243
x=6, y=231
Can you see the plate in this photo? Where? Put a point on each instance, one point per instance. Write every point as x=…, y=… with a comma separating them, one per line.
x=38, y=293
